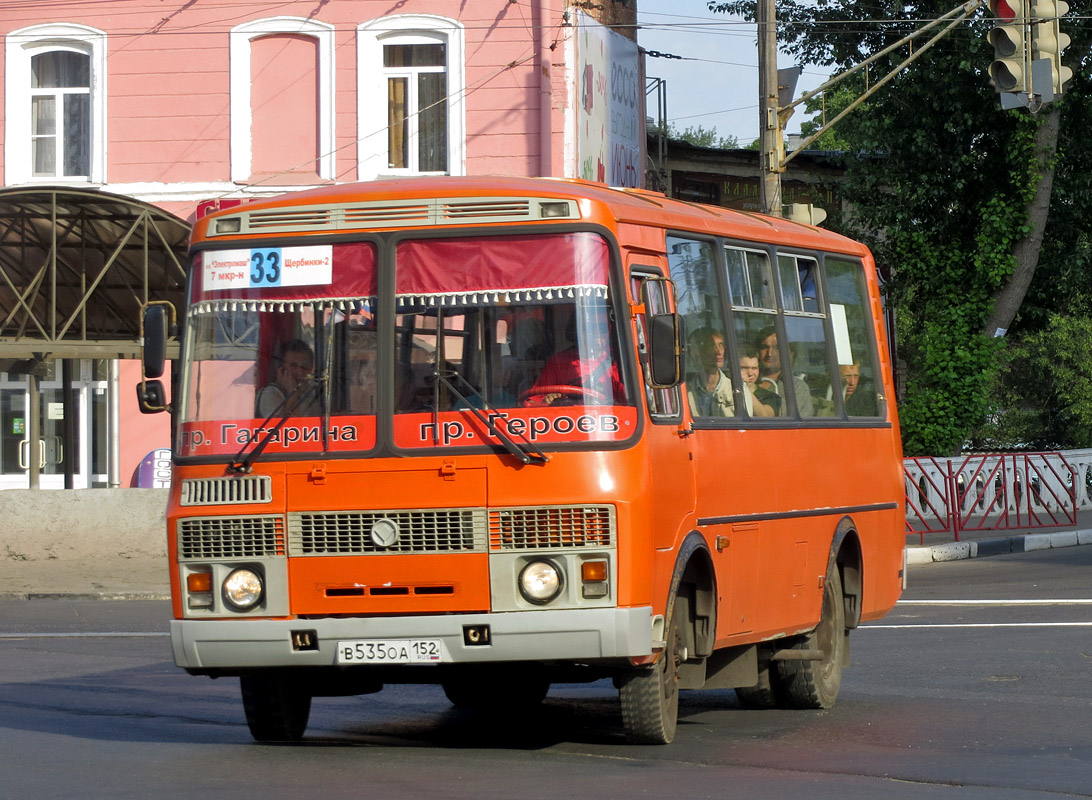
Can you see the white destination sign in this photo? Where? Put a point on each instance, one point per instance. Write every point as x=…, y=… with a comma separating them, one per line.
x=266, y=267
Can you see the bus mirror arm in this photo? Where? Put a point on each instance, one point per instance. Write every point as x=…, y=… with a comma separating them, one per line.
x=526, y=452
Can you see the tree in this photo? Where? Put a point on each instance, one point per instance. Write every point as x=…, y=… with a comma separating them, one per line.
x=953, y=194
x=700, y=136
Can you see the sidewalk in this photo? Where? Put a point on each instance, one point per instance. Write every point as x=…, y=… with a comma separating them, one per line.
x=107, y=578
x=990, y=543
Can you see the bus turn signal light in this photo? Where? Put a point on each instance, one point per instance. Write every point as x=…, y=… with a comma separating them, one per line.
x=593, y=574
x=199, y=582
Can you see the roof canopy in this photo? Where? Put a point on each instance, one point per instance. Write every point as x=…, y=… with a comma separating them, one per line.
x=75, y=267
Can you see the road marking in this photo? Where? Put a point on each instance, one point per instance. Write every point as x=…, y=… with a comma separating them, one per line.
x=983, y=625
x=1057, y=602
x=87, y=635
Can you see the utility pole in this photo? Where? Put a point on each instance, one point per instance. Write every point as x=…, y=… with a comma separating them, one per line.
x=769, y=125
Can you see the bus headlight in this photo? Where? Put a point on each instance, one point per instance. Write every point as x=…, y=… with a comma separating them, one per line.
x=540, y=582
x=243, y=589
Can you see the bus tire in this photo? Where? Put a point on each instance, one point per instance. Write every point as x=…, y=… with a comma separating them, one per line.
x=815, y=684
x=650, y=695
x=765, y=694
x=277, y=707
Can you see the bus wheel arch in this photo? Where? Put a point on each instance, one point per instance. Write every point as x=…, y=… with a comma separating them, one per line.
x=815, y=683
x=845, y=552
x=650, y=695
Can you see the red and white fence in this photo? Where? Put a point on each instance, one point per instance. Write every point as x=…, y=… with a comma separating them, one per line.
x=996, y=492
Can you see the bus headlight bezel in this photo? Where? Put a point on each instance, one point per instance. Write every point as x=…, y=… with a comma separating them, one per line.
x=541, y=581
x=243, y=589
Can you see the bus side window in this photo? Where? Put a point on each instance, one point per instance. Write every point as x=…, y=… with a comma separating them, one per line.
x=711, y=391
x=860, y=381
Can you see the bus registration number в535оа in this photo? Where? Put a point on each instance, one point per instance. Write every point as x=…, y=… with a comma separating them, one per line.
x=390, y=651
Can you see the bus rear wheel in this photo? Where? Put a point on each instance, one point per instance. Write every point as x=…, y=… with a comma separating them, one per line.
x=650, y=696
x=277, y=707
x=815, y=684
x=765, y=694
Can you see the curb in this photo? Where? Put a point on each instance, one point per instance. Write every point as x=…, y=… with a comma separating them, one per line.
x=1022, y=543
x=83, y=596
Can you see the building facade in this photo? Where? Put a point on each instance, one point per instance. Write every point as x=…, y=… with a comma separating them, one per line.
x=172, y=109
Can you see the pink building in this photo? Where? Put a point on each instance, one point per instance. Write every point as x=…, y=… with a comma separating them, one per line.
x=154, y=112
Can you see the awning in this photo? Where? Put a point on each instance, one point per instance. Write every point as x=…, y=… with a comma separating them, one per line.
x=75, y=267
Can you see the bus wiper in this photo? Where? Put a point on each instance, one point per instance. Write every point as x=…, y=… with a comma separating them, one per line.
x=526, y=452
x=242, y=465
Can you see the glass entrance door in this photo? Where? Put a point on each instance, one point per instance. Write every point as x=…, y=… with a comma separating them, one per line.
x=14, y=429
x=13, y=432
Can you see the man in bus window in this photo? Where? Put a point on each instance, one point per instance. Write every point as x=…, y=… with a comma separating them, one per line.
x=287, y=394
x=709, y=390
x=769, y=363
x=860, y=402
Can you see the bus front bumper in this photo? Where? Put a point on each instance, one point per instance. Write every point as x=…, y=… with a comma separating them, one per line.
x=556, y=636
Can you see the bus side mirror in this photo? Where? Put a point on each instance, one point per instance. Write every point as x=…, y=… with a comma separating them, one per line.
x=666, y=351
x=154, y=332
x=150, y=397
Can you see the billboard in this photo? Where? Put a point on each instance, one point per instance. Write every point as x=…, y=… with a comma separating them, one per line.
x=610, y=106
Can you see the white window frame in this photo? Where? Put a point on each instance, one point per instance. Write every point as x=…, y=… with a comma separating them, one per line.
x=371, y=112
x=241, y=118
x=20, y=47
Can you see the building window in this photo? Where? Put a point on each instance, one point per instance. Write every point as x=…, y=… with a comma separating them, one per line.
x=55, y=101
x=411, y=78
x=416, y=106
x=268, y=76
x=60, y=114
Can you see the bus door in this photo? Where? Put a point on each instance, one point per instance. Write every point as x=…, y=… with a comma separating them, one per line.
x=669, y=447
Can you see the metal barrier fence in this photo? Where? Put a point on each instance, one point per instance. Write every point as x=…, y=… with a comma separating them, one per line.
x=996, y=492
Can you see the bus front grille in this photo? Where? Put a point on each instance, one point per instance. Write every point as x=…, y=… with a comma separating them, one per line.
x=551, y=527
x=456, y=530
x=226, y=491
x=210, y=538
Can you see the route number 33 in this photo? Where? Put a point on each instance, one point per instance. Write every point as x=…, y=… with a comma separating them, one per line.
x=265, y=267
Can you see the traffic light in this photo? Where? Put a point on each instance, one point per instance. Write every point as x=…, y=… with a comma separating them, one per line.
x=1009, y=70
x=1047, y=40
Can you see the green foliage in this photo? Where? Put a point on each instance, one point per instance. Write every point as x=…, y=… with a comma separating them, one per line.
x=939, y=180
x=700, y=136
x=1042, y=395
x=826, y=107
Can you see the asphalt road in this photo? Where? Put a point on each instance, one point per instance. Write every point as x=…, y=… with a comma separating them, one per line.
x=977, y=686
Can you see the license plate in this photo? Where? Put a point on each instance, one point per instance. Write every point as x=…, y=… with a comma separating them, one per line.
x=390, y=651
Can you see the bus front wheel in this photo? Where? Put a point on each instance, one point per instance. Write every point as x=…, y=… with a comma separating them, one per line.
x=650, y=696
x=277, y=707
x=815, y=684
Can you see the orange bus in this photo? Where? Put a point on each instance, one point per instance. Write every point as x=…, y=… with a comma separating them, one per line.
x=499, y=433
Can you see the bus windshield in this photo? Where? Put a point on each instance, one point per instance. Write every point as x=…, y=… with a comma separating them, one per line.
x=495, y=339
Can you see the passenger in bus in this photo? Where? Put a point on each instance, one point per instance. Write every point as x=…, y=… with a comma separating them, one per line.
x=569, y=377
x=287, y=393
x=769, y=363
x=760, y=402
x=859, y=401
x=709, y=389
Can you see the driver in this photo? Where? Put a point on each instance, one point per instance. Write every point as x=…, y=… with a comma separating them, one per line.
x=569, y=375
x=293, y=364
